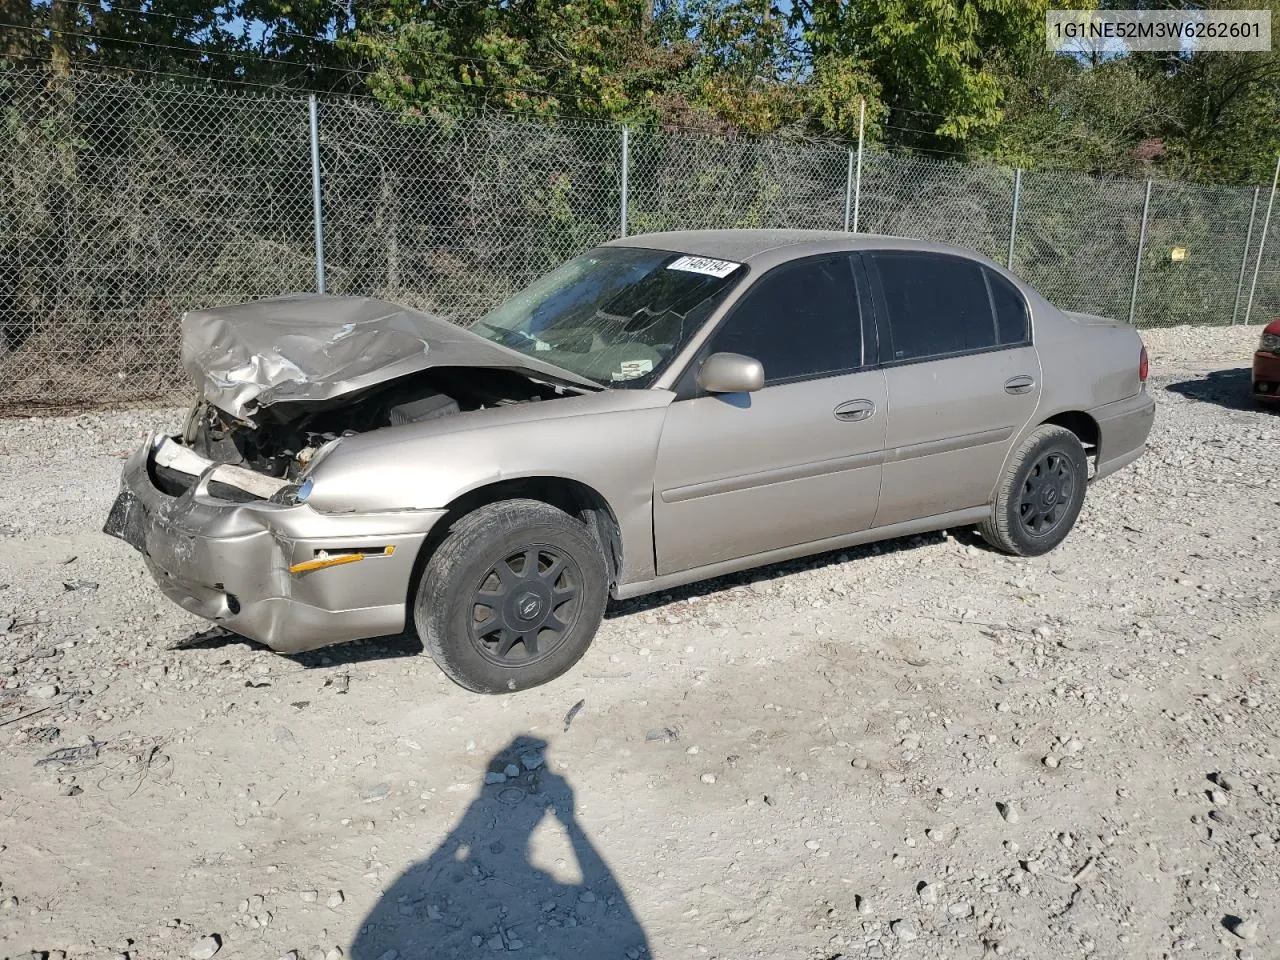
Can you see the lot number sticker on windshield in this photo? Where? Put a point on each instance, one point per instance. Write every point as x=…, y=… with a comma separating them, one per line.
x=630, y=369
x=713, y=268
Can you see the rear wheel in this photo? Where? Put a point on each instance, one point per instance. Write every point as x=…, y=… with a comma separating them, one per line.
x=512, y=597
x=1040, y=495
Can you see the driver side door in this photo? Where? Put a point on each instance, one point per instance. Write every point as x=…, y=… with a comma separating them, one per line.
x=796, y=462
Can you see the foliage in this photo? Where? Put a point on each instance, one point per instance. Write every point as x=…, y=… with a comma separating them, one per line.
x=1061, y=114
x=930, y=56
x=969, y=78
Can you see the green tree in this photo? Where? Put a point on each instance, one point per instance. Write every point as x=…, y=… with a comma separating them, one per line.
x=539, y=57
x=1223, y=120
x=274, y=42
x=1060, y=113
x=963, y=76
x=743, y=72
x=158, y=36
x=747, y=72
x=933, y=59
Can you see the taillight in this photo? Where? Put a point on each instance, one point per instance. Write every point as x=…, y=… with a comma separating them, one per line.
x=1142, y=365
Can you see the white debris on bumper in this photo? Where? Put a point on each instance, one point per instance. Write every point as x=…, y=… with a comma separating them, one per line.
x=175, y=456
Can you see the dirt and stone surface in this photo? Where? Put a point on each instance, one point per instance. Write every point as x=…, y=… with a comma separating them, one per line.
x=917, y=749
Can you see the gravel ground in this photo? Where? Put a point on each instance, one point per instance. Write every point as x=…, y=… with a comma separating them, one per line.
x=916, y=749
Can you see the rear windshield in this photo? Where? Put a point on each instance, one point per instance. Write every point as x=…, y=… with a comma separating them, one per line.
x=615, y=315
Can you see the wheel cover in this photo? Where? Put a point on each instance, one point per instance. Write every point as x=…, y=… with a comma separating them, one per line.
x=1047, y=494
x=524, y=607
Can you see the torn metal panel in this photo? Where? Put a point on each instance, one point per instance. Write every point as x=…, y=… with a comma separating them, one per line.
x=309, y=347
x=173, y=455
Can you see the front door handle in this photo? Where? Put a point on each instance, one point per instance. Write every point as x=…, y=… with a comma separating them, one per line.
x=1021, y=384
x=854, y=410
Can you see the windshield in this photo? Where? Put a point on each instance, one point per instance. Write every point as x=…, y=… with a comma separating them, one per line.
x=614, y=315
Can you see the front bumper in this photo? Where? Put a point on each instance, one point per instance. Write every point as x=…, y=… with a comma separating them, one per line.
x=1266, y=377
x=1123, y=428
x=229, y=561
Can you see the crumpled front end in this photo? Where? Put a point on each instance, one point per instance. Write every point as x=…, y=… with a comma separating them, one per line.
x=220, y=512
x=275, y=571
x=312, y=349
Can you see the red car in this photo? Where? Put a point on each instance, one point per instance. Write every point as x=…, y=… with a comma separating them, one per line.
x=1266, y=365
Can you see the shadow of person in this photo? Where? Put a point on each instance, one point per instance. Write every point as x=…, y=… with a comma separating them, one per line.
x=479, y=892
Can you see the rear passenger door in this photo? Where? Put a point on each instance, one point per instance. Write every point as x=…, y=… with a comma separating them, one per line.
x=963, y=379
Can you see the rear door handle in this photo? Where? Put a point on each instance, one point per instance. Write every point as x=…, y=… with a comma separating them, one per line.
x=1021, y=384
x=854, y=410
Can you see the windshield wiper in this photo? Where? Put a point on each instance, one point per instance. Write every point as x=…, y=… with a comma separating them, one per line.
x=506, y=332
x=555, y=381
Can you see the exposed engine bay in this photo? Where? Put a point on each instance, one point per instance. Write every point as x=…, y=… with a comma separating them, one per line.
x=289, y=434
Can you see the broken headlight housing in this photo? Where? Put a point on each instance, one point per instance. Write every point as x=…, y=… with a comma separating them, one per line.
x=294, y=493
x=315, y=459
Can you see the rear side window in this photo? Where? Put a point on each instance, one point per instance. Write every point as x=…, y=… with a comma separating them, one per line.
x=1012, y=323
x=799, y=320
x=937, y=305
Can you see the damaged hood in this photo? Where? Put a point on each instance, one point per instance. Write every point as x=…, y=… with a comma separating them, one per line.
x=306, y=347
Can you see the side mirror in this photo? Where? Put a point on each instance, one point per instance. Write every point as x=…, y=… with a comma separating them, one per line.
x=730, y=373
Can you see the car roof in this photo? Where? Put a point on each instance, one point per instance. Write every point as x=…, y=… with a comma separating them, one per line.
x=777, y=246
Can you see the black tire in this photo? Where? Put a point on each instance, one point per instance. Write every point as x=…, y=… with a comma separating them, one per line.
x=496, y=632
x=1040, y=494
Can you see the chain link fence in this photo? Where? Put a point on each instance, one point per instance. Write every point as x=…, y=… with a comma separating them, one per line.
x=122, y=205
x=453, y=216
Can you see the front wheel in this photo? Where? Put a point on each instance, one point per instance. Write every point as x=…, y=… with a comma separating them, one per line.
x=1040, y=494
x=512, y=597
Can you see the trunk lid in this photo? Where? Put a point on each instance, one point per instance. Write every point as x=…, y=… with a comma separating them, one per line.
x=308, y=347
x=1093, y=320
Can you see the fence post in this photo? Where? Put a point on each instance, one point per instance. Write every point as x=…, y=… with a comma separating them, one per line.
x=857, y=182
x=1244, y=257
x=317, y=206
x=848, y=193
x=1262, y=243
x=1013, y=222
x=1137, y=262
x=626, y=162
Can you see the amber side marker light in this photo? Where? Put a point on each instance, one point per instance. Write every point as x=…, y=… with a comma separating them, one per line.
x=324, y=559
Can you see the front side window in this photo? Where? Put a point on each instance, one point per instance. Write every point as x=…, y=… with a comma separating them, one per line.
x=799, y=320
x=937, y=304
x=615, y=315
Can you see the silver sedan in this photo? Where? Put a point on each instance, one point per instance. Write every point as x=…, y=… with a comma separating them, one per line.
x=662, y=409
